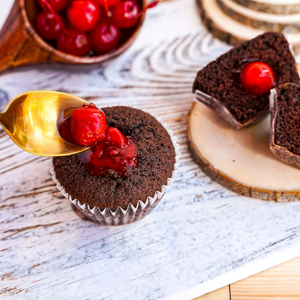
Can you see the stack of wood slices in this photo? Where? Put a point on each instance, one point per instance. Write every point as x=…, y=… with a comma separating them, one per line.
x=235, y=21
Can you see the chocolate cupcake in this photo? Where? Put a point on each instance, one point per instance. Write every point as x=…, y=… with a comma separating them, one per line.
x=285, y=123
x=111, y=199
x=221, y=86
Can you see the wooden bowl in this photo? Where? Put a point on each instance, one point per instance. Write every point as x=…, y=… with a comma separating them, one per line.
x=20, y=45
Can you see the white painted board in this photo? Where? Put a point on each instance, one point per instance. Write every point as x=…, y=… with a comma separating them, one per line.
x=199, y=238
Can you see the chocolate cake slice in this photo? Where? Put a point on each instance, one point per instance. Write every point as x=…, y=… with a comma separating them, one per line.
x=285, y=123
x=218, y=85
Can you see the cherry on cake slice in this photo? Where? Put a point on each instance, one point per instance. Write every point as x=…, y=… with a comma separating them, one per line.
x=238, y=83
x=285, y=123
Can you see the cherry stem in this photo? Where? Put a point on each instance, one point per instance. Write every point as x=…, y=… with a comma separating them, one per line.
x=62, y=26
x=150, y=5
x=108, y=14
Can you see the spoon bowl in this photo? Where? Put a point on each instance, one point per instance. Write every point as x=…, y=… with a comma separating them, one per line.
x=31, y=121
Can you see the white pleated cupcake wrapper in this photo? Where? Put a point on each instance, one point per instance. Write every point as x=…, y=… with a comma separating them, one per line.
x=132, y=213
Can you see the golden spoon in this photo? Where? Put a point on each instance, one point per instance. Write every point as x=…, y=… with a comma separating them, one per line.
x=31, y=121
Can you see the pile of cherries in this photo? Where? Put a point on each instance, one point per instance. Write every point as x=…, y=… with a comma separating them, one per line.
x=110, y=150
x=87, y=27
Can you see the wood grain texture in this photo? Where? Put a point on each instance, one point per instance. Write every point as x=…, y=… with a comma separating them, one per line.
x=199, y=238
x=220, y=294
x=281, y=282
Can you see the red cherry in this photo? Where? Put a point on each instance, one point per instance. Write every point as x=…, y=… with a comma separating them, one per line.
x=109, y=2
x=105, y=37
x=74, y=42
x=115, y=137
x=257, y=78
x=88, y=125
x=47, y=26
x=57, y=5
x=125, y=14
x=83, y=14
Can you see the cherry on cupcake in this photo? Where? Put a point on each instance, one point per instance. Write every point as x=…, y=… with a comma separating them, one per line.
x=88, y=125
x=47, y=25
x=257, y=78
x=83, y=14
x=57, y=5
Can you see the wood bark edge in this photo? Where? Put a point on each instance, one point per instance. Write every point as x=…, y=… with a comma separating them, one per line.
x=258, y=23
x=270, y=8
x=230, y=183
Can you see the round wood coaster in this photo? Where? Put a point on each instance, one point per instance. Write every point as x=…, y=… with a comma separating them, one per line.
x=240, y=160
x=234, y=23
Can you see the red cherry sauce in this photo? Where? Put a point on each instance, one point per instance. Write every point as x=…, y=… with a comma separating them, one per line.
x=104, y=156
x=115, y=152
x=63, y=126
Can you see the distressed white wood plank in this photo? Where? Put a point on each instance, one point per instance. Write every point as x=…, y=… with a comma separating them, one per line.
x=199, y=238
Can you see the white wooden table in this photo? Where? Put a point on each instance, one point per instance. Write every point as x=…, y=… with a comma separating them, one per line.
x=199, y=238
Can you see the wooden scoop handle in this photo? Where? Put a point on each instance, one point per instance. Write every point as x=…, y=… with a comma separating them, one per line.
x=18, y=43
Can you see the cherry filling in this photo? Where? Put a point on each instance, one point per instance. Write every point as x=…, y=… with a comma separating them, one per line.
x=108, y=155
x=257, y=78
x=111, y=150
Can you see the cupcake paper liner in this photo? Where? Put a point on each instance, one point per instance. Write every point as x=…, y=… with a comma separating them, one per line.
x=132, y=213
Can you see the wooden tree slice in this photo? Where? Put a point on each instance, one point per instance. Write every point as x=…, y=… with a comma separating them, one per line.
x=272, y=6
x=264, y=21
x=240, y=160
x=230, y=30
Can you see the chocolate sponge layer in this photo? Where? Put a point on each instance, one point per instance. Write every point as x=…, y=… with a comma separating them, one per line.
x=156, y=156
x=287, y=124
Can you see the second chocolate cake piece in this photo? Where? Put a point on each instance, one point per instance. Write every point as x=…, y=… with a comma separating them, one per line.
x=219, y=84
x=285, y=123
